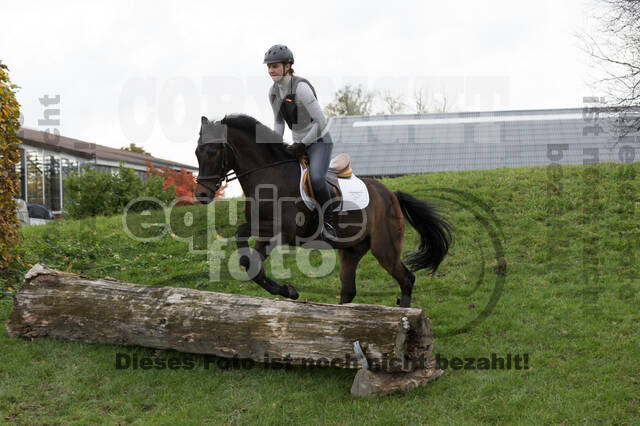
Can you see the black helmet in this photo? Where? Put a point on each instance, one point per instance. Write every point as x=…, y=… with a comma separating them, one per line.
x=278, y=53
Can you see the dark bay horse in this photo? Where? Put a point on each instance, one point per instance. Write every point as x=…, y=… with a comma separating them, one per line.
x=263, y=164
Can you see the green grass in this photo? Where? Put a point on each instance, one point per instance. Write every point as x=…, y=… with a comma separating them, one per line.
x=569, y=299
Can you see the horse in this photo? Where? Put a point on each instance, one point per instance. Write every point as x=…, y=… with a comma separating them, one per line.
x=260, y=159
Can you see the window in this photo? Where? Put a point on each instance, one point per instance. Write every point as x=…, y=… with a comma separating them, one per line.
x=68, y=166
x=35, y=192
x=21, y=176
x=104, y=169
x=52, y=182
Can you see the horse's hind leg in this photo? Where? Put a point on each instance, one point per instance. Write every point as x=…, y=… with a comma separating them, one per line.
x=405, y=278
x=386, y=247
x=349, y=259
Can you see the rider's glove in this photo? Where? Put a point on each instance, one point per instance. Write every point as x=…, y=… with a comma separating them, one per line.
x=298, y=149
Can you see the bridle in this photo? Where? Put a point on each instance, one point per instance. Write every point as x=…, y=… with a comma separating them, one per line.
x=225, y=177
x=218, y=178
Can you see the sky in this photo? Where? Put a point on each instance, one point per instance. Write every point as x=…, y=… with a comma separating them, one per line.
x=144, y=72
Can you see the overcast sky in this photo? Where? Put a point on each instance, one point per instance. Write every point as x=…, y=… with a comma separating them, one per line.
x=145, y=72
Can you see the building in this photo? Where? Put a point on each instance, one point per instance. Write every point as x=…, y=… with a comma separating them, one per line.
x=390, y=145
x=47, y=159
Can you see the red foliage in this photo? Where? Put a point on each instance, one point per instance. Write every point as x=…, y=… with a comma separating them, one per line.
x=184, y=183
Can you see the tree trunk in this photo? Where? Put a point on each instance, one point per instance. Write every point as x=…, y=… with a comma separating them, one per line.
x=73, y=307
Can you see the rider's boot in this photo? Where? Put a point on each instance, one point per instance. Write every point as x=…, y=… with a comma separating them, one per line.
x=329, y=227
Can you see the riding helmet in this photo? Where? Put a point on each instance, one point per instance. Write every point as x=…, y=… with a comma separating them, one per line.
x=278, y=53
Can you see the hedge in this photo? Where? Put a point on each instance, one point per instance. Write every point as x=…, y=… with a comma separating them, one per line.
x=94, y=193
x=9, y=157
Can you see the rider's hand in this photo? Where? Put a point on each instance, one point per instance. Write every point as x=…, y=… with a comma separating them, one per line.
x=298, y=149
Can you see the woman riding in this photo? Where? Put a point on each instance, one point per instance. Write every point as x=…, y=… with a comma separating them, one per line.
x=294, y=102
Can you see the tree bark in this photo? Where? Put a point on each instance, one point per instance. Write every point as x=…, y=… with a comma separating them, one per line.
x=78, y=308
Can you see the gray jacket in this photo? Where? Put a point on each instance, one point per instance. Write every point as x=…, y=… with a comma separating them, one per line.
x=307, y=133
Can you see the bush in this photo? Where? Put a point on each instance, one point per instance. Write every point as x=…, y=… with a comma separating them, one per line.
x=183, y=182
x=93, y=193
x=9, y=156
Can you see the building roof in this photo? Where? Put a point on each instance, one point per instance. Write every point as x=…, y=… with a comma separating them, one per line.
x=419, y=143
x=89, y=150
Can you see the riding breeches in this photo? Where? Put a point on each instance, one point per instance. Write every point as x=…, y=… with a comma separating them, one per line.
x=319, y=158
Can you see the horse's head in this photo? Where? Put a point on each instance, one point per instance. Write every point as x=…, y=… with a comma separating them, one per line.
x=212, y=157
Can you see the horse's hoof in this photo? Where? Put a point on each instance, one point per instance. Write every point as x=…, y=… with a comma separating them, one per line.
x=244, y=262
x=292, y=292
x=405, y=302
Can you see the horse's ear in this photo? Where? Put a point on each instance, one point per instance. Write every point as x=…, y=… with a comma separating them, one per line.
x=204, y=120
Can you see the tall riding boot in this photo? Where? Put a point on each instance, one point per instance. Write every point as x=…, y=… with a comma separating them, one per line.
x=328, y=220
x=319, y=158
x=329, y=228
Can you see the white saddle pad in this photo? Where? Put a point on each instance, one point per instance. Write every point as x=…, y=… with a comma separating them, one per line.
x=355, y=195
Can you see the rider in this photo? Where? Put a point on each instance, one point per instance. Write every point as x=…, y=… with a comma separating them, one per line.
x=294, y=101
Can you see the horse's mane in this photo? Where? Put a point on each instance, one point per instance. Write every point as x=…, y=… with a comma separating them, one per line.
x=257, y=130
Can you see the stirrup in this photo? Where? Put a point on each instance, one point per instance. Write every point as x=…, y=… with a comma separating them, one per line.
x=329, y=228
x=329, y=232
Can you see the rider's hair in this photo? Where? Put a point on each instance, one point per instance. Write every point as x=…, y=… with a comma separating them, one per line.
x=290, y=67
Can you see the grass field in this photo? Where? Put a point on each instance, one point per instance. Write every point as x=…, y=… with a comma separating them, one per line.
x=569, y=299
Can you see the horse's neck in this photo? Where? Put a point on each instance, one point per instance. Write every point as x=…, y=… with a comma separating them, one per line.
x=250, y=162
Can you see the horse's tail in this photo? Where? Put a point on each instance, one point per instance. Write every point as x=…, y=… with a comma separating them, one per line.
x=435, y=233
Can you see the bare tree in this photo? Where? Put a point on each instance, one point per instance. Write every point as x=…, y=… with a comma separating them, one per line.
x=350, y=101
x=441, y=106
x=615, y=49
x=425, y=103
x=357, y=100
x=420, y=101
x=392, y=104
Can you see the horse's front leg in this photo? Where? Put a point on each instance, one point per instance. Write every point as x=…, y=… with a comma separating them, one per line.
x=262, y=249
x=242, y=242
x=253, y=262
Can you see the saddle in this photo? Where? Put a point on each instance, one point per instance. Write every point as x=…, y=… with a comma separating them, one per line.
x=339, y=168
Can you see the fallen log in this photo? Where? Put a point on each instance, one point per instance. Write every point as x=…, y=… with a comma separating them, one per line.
x=79, y=308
